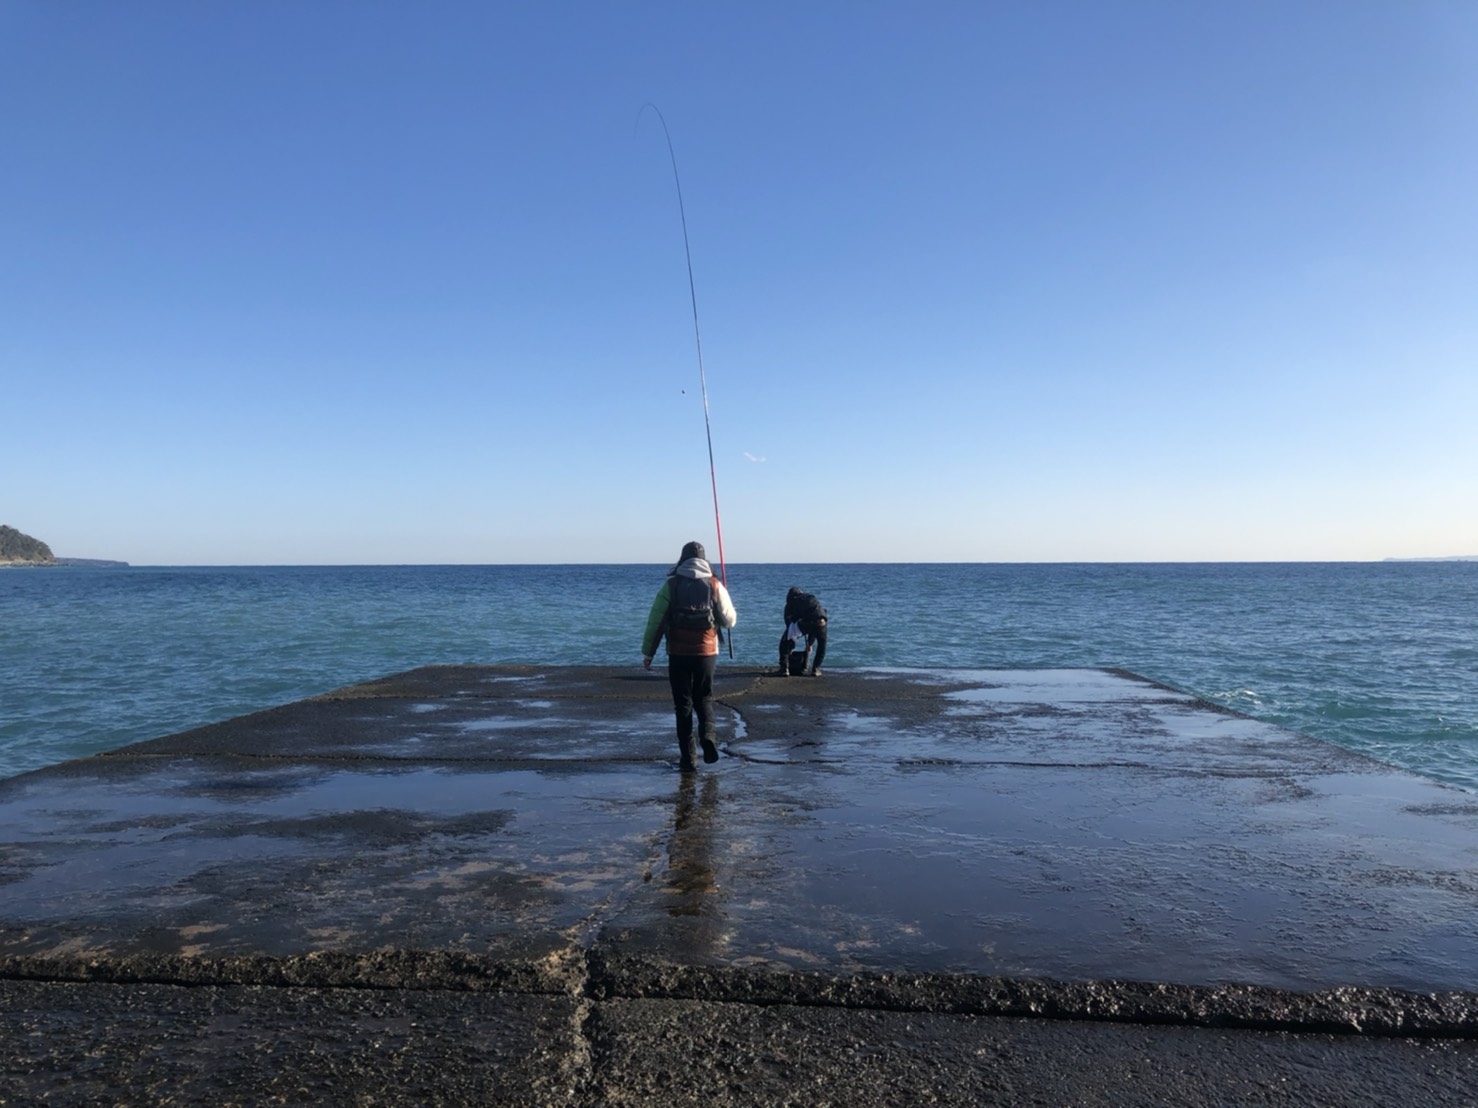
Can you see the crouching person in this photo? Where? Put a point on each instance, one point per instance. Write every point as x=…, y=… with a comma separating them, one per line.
x=805, y=618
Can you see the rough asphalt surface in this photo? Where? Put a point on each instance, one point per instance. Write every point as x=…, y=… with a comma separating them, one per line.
x=478, y=885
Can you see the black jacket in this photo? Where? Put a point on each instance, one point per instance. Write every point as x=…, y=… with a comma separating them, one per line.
x=804, y=609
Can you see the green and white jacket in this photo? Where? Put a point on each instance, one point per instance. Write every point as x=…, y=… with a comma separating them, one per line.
x=688, y=643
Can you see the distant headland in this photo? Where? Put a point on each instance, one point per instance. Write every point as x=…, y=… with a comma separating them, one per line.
x=20, y=549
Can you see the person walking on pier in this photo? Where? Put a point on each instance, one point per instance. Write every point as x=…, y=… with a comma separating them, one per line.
x=804, y=617
x=689, y=611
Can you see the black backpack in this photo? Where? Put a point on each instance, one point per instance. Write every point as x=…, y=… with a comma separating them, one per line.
x=692, y=603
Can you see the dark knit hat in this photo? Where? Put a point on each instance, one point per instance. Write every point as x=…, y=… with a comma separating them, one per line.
x=693, y=550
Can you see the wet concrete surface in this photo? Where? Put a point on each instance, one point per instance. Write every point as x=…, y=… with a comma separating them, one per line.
x=1002, y=885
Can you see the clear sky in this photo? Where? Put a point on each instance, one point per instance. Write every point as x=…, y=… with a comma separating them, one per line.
x=404, y=282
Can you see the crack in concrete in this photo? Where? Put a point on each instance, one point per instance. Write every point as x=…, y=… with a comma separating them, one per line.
x=591, y=976
x=577, y=960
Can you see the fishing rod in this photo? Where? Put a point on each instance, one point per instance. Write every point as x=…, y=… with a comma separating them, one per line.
x=718, y=525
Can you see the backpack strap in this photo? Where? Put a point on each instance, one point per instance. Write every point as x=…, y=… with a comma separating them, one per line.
x=718, y=627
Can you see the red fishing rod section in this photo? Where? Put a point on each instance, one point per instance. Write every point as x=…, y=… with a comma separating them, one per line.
x=718, y=525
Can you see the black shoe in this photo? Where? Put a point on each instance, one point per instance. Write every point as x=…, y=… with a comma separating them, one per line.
x=710, y=751
x=687, y=766
x=783, y=671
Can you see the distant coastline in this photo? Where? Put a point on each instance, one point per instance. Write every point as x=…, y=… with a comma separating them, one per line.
x=1449, y=558
x=62, y=563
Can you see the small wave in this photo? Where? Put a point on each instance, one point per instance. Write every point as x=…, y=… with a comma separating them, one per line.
x=1244, y=700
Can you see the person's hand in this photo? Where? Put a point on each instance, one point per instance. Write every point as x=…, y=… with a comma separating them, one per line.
x=646, y=662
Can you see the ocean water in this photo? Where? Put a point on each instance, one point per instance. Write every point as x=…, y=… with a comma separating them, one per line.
x=1381, y=658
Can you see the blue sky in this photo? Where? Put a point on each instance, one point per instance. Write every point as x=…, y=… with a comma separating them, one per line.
x=389, y=282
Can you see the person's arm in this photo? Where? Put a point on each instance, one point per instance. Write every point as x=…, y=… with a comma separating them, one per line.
x=727, y=615
x=656, y=624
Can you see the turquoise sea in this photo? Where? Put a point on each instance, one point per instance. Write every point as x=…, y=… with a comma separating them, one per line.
x=1378, y=657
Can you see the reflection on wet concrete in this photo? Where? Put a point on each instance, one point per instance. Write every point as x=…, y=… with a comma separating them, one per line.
x=1068, y=826
x=690, y=875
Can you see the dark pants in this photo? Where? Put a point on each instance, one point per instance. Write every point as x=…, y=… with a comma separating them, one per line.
x=692, y=688
x=815, y=633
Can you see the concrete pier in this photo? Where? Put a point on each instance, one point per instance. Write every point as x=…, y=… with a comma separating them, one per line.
x=491, y=885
